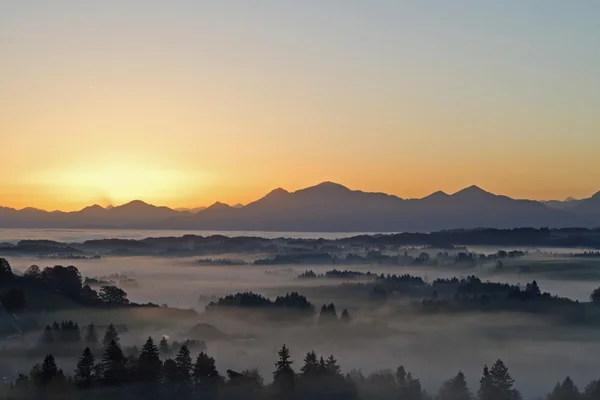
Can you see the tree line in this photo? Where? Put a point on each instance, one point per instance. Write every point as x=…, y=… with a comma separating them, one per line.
x=154, y=373
x=65, y=281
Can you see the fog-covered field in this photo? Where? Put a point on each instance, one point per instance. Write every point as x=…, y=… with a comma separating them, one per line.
x=538, y=351
x=179, y=282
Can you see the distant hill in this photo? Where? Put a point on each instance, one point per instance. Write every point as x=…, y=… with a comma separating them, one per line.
x=133, y=213
x=588, y=208
x=191, y=210
x=328, y=207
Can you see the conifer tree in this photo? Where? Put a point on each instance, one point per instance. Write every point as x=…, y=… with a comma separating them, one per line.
x=486, y=386
x=114, y=371
x=592, y=390
x=49, y=370
x=332, y=366
x=311, y=365
x=170, y=377
x=206, y=376
x=149, y=368
x=455, y=389
x=47, y=336
x=164, y=347
x=91, y=336
x=110, y=335
x=565, y=391
x=84, y=373
x=503, y=382
x=184, y=366
x=283, y=376
x=345, y=317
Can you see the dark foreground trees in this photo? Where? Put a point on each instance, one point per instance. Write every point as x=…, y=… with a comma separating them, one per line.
x=146, y=376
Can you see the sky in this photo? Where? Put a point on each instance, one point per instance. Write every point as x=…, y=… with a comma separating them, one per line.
x=184, y=103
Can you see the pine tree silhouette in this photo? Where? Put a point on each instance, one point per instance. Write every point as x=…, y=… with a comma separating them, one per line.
x=84, y=373
x=455, y=389
x=311, y=364
x=206, y=376
x=185, y=367
x=110, y=335
x=149, y=367
x=91, y=337
x=503, y=382
x=114, y=371
x=283, y=376
x=164, y=347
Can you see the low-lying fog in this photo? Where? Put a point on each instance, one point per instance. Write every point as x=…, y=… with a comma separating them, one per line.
x=179, y=282
x=537, y=352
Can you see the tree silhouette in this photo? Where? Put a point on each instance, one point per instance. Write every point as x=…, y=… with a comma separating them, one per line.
x=48, y=336
x=408, y=387
x=283, y=376
x=486, y=386
x=149, y=367
x=91, y=337
x=113, y=366
x=595, y=296
x=455, y=389
x=42, y=375
x=170, y=377
x=113, y=295
x=345, y=317
x=110, y=335
x=84, y=373
x=592, y=390
x=332, y=367
x=328, y=314
x=565, y=391
x=164, y=347
x=33, y=272
x=206, y=376
x=503, y=382
x=64, y=280
x=497, y=384
x=532, y=289
x=311, y=365
x=183, y=360
x=246, y=385
x=5, y=271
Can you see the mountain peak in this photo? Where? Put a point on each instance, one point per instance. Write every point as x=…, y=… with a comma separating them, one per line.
x=135, y=204
x=277, y=192
x=217, y=205
x=436, y=195
x=472, y=190
x=327, y=186
x=91, y=208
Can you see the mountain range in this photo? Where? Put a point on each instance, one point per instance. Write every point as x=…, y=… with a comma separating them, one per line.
x=328, y=207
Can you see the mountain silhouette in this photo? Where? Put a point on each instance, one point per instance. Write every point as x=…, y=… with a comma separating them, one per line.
x=333, y=207
x=588, y=208
x=327, y=206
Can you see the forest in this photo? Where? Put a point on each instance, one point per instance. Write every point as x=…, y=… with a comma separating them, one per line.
x=106, y=370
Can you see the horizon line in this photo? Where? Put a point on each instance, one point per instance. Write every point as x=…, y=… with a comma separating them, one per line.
x=321, y=184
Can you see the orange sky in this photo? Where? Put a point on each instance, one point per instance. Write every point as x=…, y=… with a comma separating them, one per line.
x=185, y=104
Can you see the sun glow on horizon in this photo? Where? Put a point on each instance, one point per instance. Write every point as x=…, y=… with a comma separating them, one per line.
x=184, y=103
x=116, y=184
